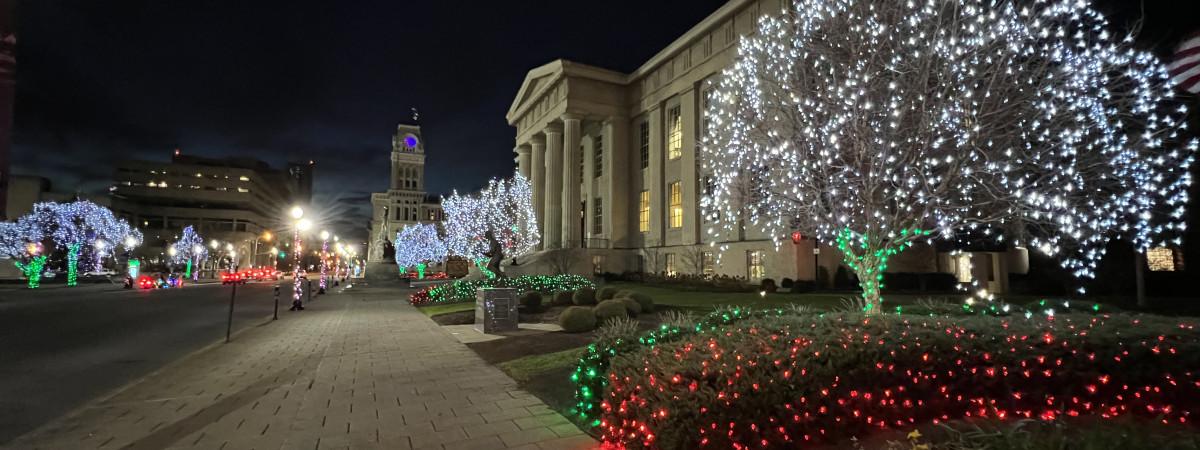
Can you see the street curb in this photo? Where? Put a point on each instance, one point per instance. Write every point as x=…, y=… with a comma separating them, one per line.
x=108, y=395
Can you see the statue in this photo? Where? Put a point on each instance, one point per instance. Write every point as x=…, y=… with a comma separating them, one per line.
x=495, y=252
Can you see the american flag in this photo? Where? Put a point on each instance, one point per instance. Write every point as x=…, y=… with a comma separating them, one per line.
x=1185, y=66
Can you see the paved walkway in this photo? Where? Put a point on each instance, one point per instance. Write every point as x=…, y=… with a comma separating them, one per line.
x=358, y=369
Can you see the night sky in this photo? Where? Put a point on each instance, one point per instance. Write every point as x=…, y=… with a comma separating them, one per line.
x=327, y=80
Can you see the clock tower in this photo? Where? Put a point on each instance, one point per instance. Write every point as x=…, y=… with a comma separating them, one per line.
x=405, y=202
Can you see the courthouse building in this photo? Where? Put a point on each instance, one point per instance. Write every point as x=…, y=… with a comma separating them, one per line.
x=406, y=202
x=616, y=173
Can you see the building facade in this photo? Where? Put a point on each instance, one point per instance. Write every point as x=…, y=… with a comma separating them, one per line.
x=405, y=202
x=613, y=158
x=233, y=200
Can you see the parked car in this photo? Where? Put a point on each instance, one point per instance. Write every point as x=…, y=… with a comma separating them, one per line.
x=233, y=277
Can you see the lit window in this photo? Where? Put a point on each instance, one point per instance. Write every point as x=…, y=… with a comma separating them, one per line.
x=754, y=264
x=674, y=132
x=645, y=145
x=676, y=219
x=199, y=175
x=671, y=268
x=244, y=178
x=707, y=263
x=644, y=212
x=598, y=220
x=599, y=158
x=243, y=190
x=1162, y=259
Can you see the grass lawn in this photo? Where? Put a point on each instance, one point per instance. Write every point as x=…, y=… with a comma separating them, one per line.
x=444, y=308
x=525, y=368
x=702, y=302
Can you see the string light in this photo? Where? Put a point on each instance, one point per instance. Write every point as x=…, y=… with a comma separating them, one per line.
x=504, y=207
x=882, y=125
x=466, y=288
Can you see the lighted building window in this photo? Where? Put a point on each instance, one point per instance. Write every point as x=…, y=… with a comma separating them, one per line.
x=244, y=178
x=671, y=268
x=674, y=132
x=598, y=220
x=581, y=160
x=1163, y=259
x=599, y=158
x=644, y=212
x=597, y=264
x=707, y=263
x=644, y=147
x=676, y=219
x=754, y=265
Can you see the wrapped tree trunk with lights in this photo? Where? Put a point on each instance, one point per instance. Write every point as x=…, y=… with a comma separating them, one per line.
x=880, y=125
x=189, y=250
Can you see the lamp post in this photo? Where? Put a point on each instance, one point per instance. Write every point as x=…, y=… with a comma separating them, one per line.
x=266, y=236
x=274, y=258
x=301, y=223
x=324, y=255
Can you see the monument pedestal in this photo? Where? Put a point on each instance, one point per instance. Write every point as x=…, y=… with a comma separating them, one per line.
x=495, y=310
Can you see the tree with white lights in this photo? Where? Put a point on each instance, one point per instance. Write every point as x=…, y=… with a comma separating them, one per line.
x=877, y=125
x=189, y=249
x=418, y=245
x=504, y=207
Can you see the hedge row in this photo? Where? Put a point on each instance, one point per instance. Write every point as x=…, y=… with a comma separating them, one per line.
x=761, y=381
x=465, y=289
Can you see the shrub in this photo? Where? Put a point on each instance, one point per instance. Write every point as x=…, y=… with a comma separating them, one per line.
x=767, y=285
x=584, y=297
x=822, y=278
x=577, y=319
x=618, y=328
x=606, y=293
x=563, y=298
x=845, y=279
x=786, y=283
x=803, y=286
x=632, y=307
x=532, y=300
x=465, y=289
x=643, y=299
x=609, y=309
x=801, y=378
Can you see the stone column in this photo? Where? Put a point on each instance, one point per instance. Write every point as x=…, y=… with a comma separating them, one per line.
x=552, y=232
x=655, y=183
x=522, y=152
x=615, y=181
x=571, y=232
x=689, y=184
x=587, y=190
x=537, y=182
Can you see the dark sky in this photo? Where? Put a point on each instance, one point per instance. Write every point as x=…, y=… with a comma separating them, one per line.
x=307, y=79
x=327, y=80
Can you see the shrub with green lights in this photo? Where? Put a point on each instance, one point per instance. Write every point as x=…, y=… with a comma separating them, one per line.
x=776, y=379
x=465, y=289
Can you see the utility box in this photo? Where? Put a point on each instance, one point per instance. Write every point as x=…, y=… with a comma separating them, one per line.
x=495, y=310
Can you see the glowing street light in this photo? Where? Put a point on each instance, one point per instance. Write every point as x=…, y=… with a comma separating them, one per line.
x=301, y=224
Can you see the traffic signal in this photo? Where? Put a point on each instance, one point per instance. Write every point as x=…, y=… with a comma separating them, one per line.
x=282, y=255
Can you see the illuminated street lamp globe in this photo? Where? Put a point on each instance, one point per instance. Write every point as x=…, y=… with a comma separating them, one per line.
x=171, y=251
x=324, y=235
x=297, y=213
x=303, y=224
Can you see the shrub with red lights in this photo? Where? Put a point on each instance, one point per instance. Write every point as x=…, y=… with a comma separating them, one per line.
x=776, y=382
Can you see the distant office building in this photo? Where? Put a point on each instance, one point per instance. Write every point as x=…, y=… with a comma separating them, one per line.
x=406, y=202
x=24, y=191
x=233, y=200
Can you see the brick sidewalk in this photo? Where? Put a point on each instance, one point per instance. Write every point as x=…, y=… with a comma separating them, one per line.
x=357, y=369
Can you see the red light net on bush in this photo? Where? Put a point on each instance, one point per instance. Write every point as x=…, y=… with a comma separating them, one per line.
x=777, y=382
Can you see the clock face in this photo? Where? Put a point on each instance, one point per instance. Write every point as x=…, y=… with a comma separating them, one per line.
x=410, y=141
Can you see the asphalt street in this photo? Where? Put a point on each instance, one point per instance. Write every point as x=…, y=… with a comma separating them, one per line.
x=61, y=347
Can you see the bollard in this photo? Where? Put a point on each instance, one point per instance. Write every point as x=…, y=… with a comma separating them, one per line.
x=276, y=303
x=229, y=324
x=309, y=290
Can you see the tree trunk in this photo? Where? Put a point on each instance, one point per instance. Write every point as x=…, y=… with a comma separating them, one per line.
x=73, y=265
x=868, y=271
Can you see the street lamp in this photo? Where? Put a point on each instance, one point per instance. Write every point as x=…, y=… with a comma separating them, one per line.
x=301, y=224
x=324, y=255
x=254, y=253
